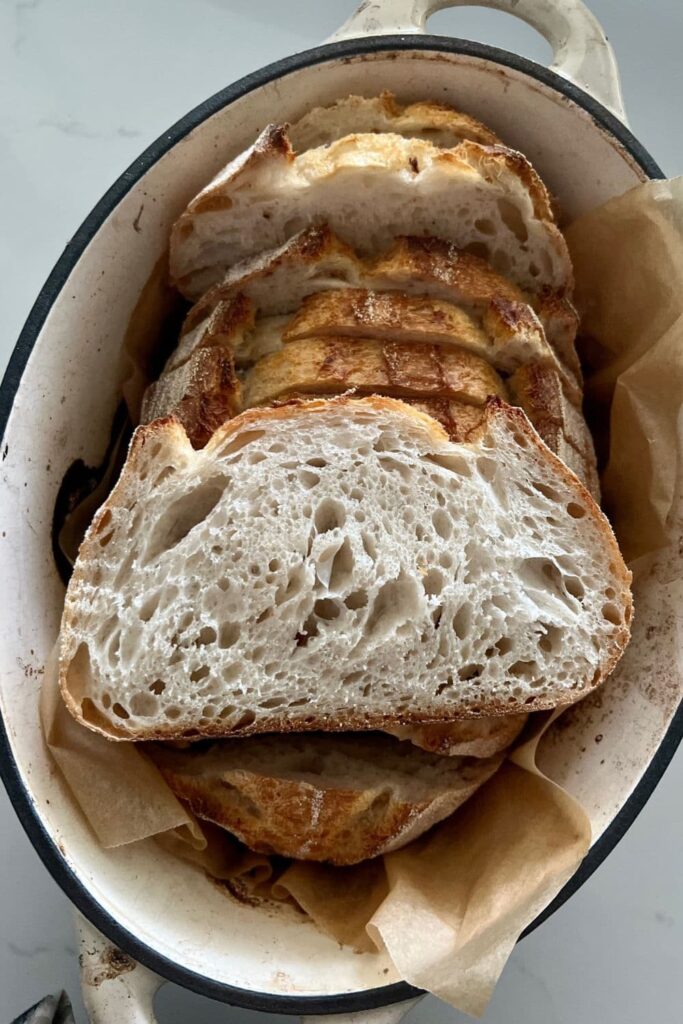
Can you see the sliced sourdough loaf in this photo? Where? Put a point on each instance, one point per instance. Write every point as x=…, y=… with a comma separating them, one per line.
x=201, y=391
x=339, y=565
x=371, y=188
x=337, y=798
x=315, y=261
x=437, y=123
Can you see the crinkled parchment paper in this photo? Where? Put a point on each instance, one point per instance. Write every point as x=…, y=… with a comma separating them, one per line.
x=449, y=907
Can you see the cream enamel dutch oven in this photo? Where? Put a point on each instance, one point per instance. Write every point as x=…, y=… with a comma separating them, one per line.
x=57, y=402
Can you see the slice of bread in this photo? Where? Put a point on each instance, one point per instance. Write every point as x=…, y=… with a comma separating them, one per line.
x=537, y=388
x=472, y=737
x=434, y=122
x=228, y=324
x=339, y=565
x=320, y=797
x=316, y=261
x=334, y=365
x=371, y=188
x=394, y=316
x=201, y=401
x=201, y=394
x=509, y=336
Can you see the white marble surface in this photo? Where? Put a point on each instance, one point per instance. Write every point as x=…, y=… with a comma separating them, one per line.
x=84, y=86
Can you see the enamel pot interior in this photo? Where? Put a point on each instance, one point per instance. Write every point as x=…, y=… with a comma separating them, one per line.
x=58, y=401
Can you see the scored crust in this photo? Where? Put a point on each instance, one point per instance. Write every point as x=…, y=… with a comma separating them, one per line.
x=201, y=394
x=538, y=390
x=337, y=364
x=316, y=261
x=508, y=336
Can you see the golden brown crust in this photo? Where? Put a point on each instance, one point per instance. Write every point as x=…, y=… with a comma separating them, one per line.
x=313, y=798
x=285, y=810
x=337, y=364
x=488, y=159
x=433, y=259
x=505, y=321
x=305, y=249
x=539, y=393
x=201, y=394
x=439, y=267
x=474, y=737
x=232, y=310
x=561, y=323
x=538, y=390
x=458, y=419
x=224, y=327
x=507, y=317
x=361, y=313
x=384, y=113
x=437, y=263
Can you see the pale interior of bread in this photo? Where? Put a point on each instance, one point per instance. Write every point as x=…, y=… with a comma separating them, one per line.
x=339, y=565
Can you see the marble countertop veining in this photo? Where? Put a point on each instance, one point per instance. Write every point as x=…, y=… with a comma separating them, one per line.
x=84, y=88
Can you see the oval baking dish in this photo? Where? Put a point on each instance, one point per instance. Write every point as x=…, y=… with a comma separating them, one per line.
x=57, y=404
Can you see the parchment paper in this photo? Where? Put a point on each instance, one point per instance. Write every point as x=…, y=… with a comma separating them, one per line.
x=450, y=907
x=628, y=261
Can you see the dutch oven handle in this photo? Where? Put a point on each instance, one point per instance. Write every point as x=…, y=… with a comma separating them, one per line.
x=118, y=990
x=581, y=51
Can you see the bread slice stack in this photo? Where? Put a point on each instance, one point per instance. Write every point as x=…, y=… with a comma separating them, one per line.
x=354, y=542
